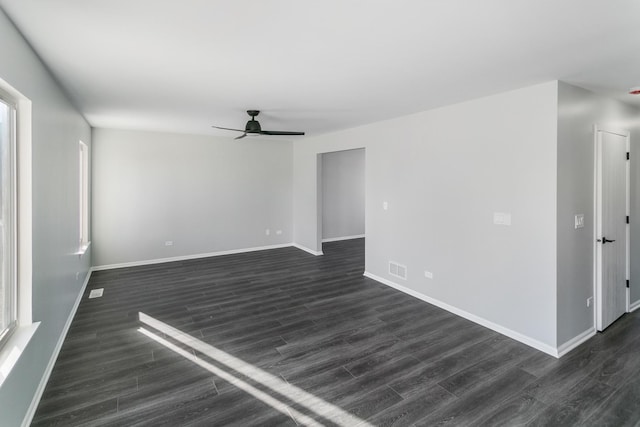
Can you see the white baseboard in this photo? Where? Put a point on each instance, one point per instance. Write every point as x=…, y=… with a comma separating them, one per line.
x=188, y=257
x=634, y=306
x=54, y=356
x=472, y=317
x=576, y=341
x=337, y=239
x=304, y=248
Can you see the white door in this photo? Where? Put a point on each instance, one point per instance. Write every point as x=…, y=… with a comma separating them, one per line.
x=611, y=226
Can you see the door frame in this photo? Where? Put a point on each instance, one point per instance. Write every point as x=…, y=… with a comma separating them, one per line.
x=597, y=248
x=320, y=195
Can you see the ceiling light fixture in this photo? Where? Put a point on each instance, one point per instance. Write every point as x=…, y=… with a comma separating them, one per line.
x=634, y=90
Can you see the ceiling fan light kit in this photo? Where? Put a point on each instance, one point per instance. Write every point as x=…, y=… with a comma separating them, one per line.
x=253, y=128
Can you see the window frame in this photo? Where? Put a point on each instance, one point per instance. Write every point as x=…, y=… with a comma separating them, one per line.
x=84, y=183
x=11, y=225
x=15, y=343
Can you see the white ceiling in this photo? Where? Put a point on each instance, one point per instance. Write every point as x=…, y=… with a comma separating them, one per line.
x=319, y=66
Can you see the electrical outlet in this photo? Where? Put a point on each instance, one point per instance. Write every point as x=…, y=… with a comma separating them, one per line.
x=279, y=232
x=428, y=274
x=589, y=301
x=502, y=218
x=168, y=243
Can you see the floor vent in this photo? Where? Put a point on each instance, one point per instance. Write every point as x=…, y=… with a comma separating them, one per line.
x=398, y=270
x=96, y=293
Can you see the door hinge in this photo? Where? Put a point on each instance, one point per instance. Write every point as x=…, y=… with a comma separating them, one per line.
x=627, y=155
x=627, y=283
x=627, y=219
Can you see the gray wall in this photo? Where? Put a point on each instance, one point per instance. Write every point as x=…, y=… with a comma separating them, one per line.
x=204, y=194
x=56, y=128
x=343, y=193
x=444, y=172
x=578, y=111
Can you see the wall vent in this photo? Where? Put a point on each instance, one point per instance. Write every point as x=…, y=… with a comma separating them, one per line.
x=398, y=270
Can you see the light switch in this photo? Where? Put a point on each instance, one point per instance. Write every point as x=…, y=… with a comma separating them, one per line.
x=579, y=221
x=502, y=218
x=385, y=205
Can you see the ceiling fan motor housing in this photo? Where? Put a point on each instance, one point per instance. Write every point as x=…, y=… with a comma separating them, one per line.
x=252, y=126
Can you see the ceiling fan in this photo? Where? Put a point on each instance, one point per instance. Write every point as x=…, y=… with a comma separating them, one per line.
x=253, y=128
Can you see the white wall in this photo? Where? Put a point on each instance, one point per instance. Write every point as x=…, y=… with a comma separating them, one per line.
x=444, y=173
x=56, y=128
x=343, y=194
x=578, y=111
x=204, y=194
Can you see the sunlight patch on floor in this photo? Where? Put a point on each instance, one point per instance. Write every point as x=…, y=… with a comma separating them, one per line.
x=278, y=386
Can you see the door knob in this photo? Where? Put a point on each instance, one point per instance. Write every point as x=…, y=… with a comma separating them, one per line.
x=605, y=240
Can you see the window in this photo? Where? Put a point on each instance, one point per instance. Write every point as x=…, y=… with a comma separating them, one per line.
x=16, y=324
x=8, y=282
x=84, y=196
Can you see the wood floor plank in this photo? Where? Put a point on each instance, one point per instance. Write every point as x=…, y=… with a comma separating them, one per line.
x=583, y=400
x=315, y=323
x=416, y=407
x=519, y=410
x=437, y=370
x=473, y=406
x=75, y=415
x=490, y=364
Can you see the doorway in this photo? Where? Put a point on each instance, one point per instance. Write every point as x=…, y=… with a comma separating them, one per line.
x=342, y=195
x=612, y=225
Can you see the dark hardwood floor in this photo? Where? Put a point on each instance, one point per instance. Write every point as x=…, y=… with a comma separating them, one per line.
x=282, y=337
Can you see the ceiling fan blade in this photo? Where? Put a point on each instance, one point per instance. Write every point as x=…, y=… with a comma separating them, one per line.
x=237, y=130
x=277, y=132
x=241, y=136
